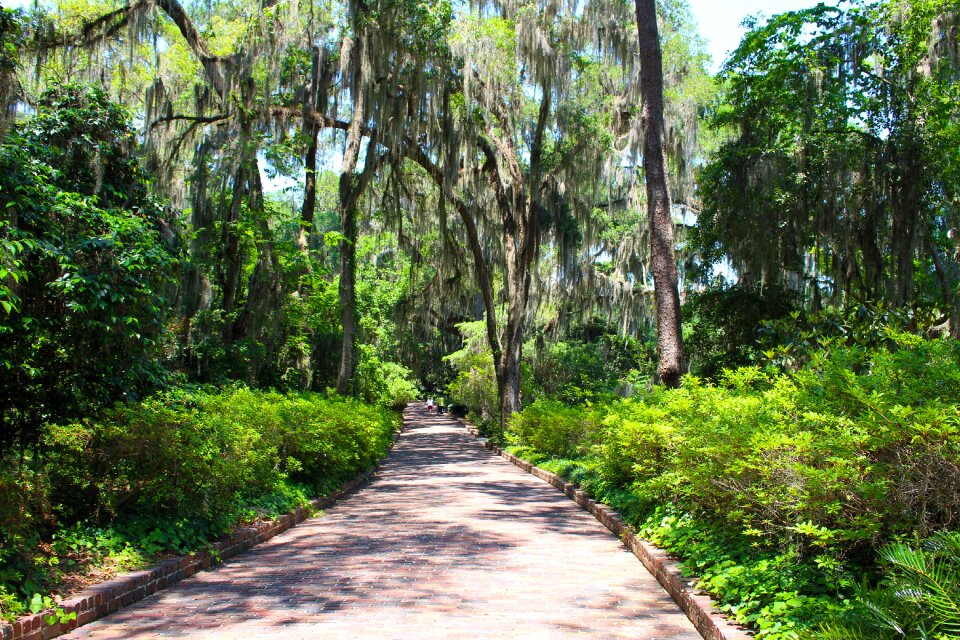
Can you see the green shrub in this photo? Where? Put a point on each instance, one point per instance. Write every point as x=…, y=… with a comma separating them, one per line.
x=323, y=444
x=387, y=384
x=918, y=598
x=175, y=454
x=552, y=427
x=475, y=384
x=588, y=361
x=87, y=266
x=722, y=325
x=170, y=473
x=779, y=486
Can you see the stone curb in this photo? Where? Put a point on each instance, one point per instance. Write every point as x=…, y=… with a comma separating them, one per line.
x=699, y=608
x=106, y=597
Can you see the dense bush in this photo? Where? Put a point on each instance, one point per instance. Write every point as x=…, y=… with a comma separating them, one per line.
x=588, y=361
x=812, y=470
x=86, y=265
x=172, y=471
x=555, y=428
x=384, y=383
x=918, y=598
x=475, y=383
x=723, y=327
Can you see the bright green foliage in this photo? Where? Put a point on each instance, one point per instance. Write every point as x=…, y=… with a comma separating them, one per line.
x=189, y=453
x=384, y=383
x=778, y=487
x=384, y=285
x=87, y=269
x=554, y=428
x=589, y=364
x=475, y=384
x=172, y=472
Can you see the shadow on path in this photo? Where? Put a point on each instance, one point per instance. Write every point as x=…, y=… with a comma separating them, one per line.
x=448, y=540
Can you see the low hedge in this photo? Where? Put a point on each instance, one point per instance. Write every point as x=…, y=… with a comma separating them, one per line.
x=170, y=473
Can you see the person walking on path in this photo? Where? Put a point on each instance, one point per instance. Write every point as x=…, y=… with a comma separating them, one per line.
x=430, y=405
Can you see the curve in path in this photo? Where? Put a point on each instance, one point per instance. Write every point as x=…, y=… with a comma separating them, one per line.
x=448, y=541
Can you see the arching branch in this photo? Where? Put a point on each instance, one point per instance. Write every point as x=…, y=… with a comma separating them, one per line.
x=212, y=65
x=417, y=154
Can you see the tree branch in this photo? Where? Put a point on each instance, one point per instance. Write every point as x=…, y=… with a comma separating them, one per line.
x=193, y=119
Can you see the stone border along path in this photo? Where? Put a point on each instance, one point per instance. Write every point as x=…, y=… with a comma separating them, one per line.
x=105, y=597
x=447, y=541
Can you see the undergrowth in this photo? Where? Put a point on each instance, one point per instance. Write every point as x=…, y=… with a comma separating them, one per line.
x=170, y=474
x=781, y=491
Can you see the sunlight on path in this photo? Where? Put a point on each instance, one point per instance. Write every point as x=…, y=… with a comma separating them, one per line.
x=449, y=541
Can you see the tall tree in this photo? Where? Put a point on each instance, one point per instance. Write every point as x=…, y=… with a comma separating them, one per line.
x=835, y=183
x=670, y=367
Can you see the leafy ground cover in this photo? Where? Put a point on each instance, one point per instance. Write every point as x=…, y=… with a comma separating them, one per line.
x=170, y=474
x=787, y=493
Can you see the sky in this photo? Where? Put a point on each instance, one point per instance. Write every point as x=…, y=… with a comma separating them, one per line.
x=719, y=20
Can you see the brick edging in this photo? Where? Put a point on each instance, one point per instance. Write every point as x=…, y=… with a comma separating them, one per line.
x=106, y=597
x=699, y=608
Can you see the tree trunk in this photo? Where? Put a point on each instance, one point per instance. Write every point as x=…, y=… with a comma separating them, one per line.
x=232, y=263
x=309, y=190
x=415, y=153
x=955, y=316
x=663, y=258
x=348, y=293
x=348, y=227
x=941, y=272
x=258, y=318
x=509, y=367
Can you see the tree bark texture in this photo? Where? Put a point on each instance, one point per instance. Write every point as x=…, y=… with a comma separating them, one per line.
x=309, y=189
x=671, y=364
x=231, y=262
x=348, y=224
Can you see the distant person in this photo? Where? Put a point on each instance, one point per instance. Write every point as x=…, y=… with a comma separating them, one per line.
x=429, y=405
x=440, y=407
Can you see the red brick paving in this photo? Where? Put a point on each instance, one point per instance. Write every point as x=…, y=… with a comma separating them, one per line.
x=449, y=541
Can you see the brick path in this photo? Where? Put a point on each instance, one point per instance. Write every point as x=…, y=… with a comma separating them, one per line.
x=449, y=541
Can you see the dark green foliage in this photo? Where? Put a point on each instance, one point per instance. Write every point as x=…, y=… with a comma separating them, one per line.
x=172, y=472
x=723, y=326
x=92, y=265
x=790, y=341
x=835, y=182
x=589, y=361
x=918, y=598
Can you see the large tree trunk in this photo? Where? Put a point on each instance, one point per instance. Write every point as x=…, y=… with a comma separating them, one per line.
x=509, y=367
x=348, y=224
x=663, y=258
x=348, y=293
x=231, y=262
